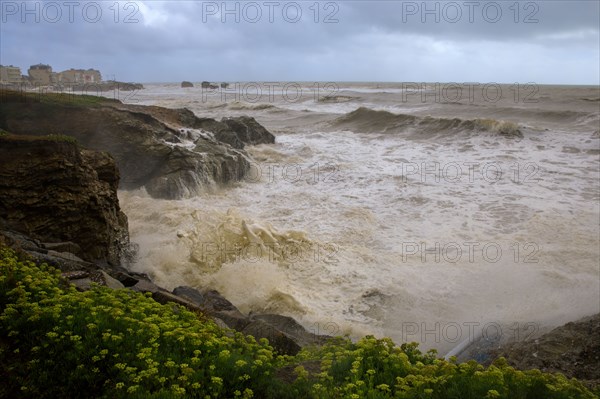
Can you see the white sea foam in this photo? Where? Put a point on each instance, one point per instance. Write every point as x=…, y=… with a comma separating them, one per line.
x=364, y=214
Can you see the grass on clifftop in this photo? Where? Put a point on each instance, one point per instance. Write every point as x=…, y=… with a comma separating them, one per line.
x=57, y=138
x=57, y=342
x=65, y=98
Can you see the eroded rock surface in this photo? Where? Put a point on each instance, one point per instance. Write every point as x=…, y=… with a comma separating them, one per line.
x=58, y=193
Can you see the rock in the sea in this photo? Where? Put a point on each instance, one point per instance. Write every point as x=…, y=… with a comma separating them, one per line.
x=185, y=83
x=249, y=131
x=56, y=192
x=208, y=85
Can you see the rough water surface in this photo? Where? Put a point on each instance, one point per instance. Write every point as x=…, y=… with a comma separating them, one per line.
x=377, y=212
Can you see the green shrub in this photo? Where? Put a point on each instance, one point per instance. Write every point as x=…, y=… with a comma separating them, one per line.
x=376, y=368
x=57, y=342
x=61, y=138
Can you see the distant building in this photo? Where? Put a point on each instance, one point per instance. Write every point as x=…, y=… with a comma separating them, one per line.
x=41, y=74
x=10, y=74
x=79, y=76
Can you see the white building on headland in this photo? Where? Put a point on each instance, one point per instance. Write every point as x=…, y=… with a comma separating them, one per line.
x=10, y=74
x=79, y=76
x=41, y=74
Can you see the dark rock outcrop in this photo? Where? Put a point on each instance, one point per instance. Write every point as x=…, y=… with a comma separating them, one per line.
x=150, y=144
x=100, y=277
x=95, y=88
x=214, y=304
x=55, y=192
x=185, y=83
x=237, y=131
x=284, y=333
x=109, y=85
x=278, y=339
x=208, y=85
x=37, y=251
x=249, y=131
x=291, y=328
x=572, y=349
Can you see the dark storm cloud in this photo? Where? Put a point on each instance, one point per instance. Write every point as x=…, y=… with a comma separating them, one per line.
x=476, y=20
x=364, y=40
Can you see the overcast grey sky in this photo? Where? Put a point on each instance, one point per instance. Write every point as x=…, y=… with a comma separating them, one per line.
x=448, y=41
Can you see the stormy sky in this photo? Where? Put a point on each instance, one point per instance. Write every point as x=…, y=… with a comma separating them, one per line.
x=546, y=42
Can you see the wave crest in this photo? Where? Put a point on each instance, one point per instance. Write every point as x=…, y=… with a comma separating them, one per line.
x=242, y=106
x=366, y=120
x=235, y=239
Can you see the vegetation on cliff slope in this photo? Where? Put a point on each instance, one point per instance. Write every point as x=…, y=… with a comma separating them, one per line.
x=57, y=342
x=65, y=98
x=58, y=138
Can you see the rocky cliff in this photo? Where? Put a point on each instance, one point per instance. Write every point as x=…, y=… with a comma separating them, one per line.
x=60, y=194
x=172, y=153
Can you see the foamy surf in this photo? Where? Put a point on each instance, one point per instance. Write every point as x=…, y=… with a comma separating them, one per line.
x=368, y=211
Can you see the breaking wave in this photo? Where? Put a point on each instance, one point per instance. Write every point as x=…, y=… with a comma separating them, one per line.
x=242, y=106
x=367, y=120
x=235, y=239
x=336, y=99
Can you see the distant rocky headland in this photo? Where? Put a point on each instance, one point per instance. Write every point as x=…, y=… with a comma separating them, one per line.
x=171, y=152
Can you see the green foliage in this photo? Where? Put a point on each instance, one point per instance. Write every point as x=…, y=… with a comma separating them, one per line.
x=57, y=342
x=73, y=99
x=376, y=368
x=61, y=343
x=61, y=138
x=57, y=138
x=48, y=98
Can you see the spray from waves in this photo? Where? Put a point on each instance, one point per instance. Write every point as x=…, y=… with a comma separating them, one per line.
x=372, y=289
x=336, y=99
x=366, y=120
x=235, y=238
x=243, y=106
x=191, y=243
x=216, y=106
